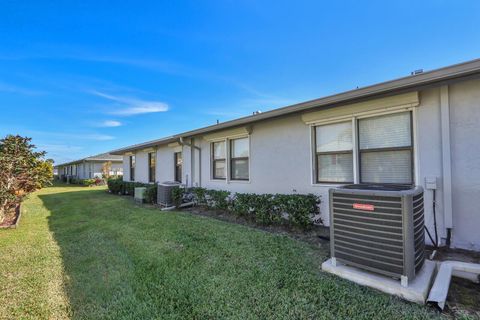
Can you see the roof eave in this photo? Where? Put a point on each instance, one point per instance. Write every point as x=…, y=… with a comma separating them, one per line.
x=434, y=77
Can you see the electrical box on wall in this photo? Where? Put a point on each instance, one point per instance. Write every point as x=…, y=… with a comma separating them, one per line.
x=431, y=183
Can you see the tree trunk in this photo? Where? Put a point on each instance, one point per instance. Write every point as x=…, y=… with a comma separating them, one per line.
x=2, y=214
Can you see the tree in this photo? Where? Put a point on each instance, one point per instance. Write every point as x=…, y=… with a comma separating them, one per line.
x=106, y=168
x=22, y=171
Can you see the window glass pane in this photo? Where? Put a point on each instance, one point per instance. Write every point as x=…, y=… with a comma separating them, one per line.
x=334, y=137
x=219, y=150
x=386, y=167
x=239, y=169
x=219, y=169
x=152, y=159
x=391, y=130
x=240, y=148
x=178, y=158
x=335, y=167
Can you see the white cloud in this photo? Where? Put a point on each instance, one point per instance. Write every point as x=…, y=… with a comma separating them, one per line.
x=70, y=136
x=4, y=87
x=132, y=106
x=58, y=148
x=111, y=123
x=98, y=137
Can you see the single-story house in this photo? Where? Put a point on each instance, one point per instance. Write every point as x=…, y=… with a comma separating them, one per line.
x=90, y=167
x=413, y=130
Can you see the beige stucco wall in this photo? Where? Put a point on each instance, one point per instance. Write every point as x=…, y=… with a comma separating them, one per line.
x=465, y=156
x=164, y=170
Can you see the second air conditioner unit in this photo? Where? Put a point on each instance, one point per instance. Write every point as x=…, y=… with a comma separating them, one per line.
x=164, y=192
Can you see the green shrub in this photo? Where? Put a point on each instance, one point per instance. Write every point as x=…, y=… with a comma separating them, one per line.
x=295, y=209
x=177, y=195
x=299, y=208
x=88, y=182
x=217, y=199
x=199, y=195
x=151, y=193
x=116, y=185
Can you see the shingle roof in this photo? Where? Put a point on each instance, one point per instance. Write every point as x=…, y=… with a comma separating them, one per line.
x=99, y=157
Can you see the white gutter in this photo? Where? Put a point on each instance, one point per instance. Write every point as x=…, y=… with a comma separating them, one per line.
x=438, y=293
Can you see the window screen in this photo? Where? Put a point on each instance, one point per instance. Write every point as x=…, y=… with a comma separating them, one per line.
x=385, y=145
x=334, y=156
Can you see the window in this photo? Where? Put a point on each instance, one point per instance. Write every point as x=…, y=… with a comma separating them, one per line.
x=178, y=166
x=132, y=168
x=334, y=152
x=218, y=160
x=152, y=159
x=385, y=149
x=239, y=153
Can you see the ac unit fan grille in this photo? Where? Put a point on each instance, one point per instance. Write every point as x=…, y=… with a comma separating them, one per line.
x=372, y=239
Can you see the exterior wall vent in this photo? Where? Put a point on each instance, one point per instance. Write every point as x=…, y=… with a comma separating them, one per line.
x=164, y=192
x=378, y=228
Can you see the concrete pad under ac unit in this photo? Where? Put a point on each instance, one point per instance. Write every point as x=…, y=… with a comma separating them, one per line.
x=417, y=290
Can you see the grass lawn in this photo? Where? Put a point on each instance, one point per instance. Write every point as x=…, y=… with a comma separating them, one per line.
x=82, y=253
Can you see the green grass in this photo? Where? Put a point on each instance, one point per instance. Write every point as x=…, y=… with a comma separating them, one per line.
x=81, y=253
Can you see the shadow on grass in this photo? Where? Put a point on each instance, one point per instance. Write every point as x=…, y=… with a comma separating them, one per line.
x=98, y=272
x=127, y=262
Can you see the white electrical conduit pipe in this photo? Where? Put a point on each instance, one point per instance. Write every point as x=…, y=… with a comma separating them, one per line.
x=439, y=291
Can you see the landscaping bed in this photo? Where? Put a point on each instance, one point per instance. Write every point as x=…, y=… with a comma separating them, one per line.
x=315, y=234
x=12, y=218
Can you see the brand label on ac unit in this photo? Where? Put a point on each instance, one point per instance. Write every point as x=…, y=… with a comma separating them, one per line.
x=364, y=206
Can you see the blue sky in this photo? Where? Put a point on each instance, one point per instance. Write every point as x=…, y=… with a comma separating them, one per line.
x=84, y=77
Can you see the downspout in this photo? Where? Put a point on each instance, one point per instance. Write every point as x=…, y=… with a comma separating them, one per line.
x=446, y=161
x=183, y=143
x=438, y=293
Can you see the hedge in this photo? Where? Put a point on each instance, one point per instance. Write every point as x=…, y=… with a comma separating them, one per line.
x=87, y=182
x=118, y=186
x=292, y=209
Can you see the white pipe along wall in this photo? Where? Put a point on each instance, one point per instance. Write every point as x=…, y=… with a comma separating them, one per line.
x=438, y=293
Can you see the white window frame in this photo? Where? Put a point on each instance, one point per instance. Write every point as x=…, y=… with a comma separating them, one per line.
x=212, y=159
x=354, y=118
x=227, y=141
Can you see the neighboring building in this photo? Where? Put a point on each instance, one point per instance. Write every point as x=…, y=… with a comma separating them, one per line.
x=424, y=126
x=89, y=167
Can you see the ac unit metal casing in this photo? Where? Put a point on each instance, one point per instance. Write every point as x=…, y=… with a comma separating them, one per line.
x=164, y=192
x=378, y=228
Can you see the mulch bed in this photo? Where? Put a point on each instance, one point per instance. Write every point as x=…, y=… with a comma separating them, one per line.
x=12, y=218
